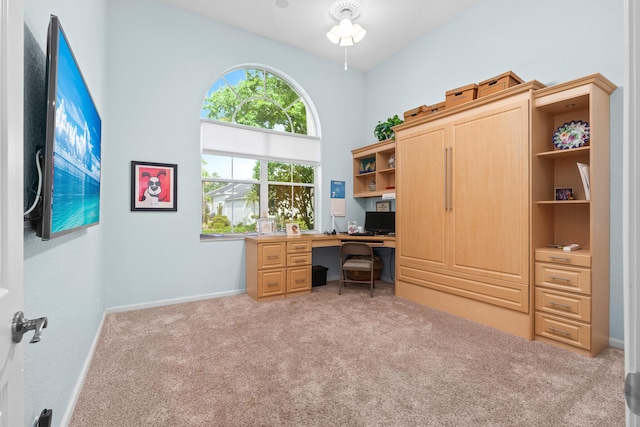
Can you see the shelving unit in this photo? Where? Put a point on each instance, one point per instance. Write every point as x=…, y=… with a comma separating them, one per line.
x=571, y=290
x=382, y=179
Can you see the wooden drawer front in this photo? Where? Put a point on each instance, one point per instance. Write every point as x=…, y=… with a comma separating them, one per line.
x=299, y=246
x=562, y=330
x=567, y=279
x=271, y=282
x=558, y=256
x=510, y=295
x=271, y=255
x=298, y=259
x=573, y=306
x=298, y=279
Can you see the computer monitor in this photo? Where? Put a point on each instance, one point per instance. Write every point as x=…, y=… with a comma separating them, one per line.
x=380, y=222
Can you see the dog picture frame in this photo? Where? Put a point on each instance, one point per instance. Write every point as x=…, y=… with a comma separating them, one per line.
x=154, y=186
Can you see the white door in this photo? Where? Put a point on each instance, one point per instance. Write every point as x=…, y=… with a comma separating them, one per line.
x=11, y=232
x=631, y=197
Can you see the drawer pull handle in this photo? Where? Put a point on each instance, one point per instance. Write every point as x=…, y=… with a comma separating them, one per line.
x=556, y=330
x=300, y=280
x=273, y=284
x=558, y=304
x=560, y=258
x=273, y=256
x=564, y=279
x=299, y=247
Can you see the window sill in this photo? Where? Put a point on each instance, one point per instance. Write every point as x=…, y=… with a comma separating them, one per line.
x=231, y=237
x=221, y=237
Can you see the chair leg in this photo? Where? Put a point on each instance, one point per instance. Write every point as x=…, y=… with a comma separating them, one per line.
x=372, y=286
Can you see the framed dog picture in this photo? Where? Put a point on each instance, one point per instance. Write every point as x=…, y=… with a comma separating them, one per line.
x=154, y=186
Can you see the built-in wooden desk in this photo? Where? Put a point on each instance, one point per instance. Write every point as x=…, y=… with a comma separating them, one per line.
x=280, y=265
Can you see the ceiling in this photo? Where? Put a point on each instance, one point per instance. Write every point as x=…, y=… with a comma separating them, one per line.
x=391, y=25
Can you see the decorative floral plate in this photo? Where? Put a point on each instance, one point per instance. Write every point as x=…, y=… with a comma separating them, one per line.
x=571, y=135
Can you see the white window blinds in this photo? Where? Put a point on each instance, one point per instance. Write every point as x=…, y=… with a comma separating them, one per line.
x=236, y=140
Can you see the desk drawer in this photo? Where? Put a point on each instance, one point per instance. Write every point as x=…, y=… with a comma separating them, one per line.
x=299, y=246
x=572, y=306
x=563, y=278
x=271, y=255
x=298, y=259
x=271, y=282
x=298, y=279
x=566, y=331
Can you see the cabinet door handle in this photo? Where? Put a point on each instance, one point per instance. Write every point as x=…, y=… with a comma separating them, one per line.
x=450, y=184
x=564, y=279
x=558, y=304
x=559, y=258
x=445, y=189
x=560, y=331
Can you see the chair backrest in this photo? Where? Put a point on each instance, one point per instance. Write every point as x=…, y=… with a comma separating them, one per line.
x=356, y=248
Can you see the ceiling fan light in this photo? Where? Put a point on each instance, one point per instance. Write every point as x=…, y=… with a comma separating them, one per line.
x=346, y=41
x=358, y=33
x=346, y=27
x=334, y=35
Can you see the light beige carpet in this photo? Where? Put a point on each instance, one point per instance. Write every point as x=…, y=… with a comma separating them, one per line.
x=329, y=360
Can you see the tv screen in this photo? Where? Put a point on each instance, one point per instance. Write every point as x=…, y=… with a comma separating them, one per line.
x=71, y=181
x=380, y=222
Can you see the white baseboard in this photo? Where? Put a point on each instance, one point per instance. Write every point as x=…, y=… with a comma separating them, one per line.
x=616, y=343
x=87, y=362
x=172, y=301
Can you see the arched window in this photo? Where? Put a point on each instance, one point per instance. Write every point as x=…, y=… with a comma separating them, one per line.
x=260, y=153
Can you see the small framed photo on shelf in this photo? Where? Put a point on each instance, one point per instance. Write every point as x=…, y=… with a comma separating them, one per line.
x=293, y=229
x=563, y=193
x=154, y=186
x=384, y=206
x=266, y=226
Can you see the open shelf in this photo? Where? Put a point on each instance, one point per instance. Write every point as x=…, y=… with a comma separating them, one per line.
x=382, y=179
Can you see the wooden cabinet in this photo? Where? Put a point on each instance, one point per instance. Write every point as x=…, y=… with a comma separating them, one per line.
x=373, y=175
x=277, y=266
x=572, y=288
x=462, y=208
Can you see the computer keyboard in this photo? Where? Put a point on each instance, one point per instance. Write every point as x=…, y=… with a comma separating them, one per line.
x=364, y=233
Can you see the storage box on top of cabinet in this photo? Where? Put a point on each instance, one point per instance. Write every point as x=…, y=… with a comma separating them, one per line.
x=498, y=83
x=436, y=108
x=461, y=95
x=416, y=113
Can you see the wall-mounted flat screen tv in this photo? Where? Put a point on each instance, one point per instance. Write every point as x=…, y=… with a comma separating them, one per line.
x=71, y=179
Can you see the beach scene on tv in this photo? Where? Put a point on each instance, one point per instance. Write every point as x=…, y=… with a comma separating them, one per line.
x=76, y=180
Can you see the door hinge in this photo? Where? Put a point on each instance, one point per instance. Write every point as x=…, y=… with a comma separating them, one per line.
x=632, y=391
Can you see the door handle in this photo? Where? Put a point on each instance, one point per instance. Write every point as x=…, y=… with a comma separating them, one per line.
x=21, y=325
x=446, y=178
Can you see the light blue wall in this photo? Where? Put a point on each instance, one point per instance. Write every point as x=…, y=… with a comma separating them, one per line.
x=64, y=278
x=149, y=67
x=157, y=79
x=547, y=40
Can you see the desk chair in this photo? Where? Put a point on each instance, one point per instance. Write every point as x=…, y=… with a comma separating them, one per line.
x=356, y=257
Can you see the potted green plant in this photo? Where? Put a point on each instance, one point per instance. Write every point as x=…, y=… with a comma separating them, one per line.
x=384, y=131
